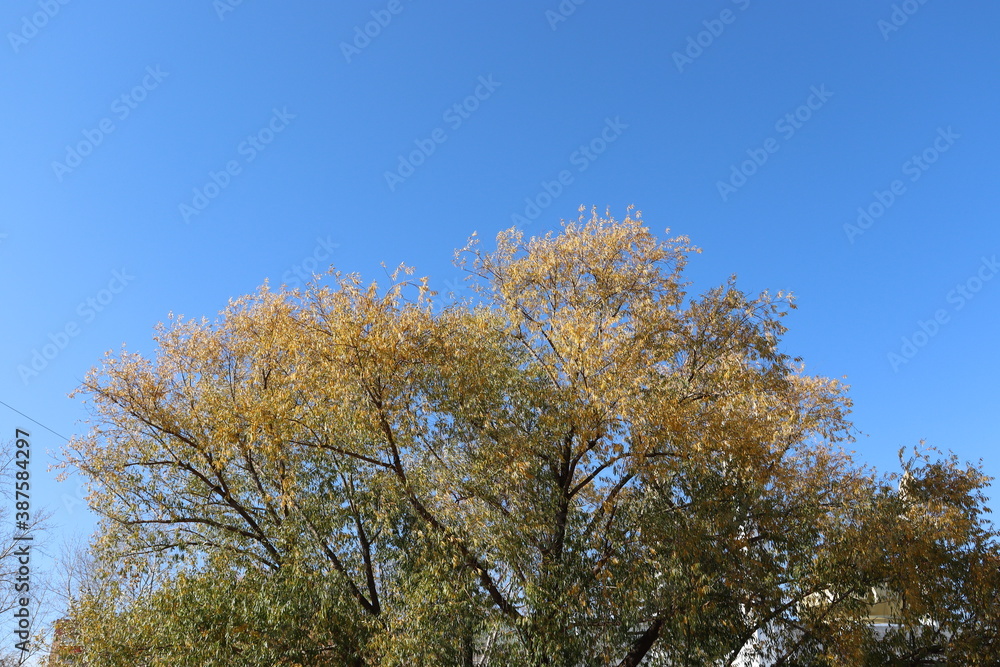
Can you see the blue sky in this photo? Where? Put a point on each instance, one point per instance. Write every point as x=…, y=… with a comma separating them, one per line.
x=168, y=157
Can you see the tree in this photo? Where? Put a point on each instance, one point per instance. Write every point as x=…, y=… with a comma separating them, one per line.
x=585, y=466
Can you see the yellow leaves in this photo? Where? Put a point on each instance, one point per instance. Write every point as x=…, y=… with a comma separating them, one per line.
x=588, y=436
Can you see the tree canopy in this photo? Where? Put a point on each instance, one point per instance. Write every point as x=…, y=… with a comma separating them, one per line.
x=582, y=465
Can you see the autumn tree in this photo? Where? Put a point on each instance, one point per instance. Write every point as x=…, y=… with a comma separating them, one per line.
x=582, y=465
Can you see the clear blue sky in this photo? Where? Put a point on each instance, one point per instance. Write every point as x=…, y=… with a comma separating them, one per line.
x=300, y=116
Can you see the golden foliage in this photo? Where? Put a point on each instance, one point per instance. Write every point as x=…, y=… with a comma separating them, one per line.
x=586, y=466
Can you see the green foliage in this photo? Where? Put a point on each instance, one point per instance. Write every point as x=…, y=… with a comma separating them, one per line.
x=588, y=466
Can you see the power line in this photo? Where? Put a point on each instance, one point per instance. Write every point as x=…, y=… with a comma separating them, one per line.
x=34, y=420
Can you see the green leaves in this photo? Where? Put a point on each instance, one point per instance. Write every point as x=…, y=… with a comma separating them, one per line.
x=587, y=467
